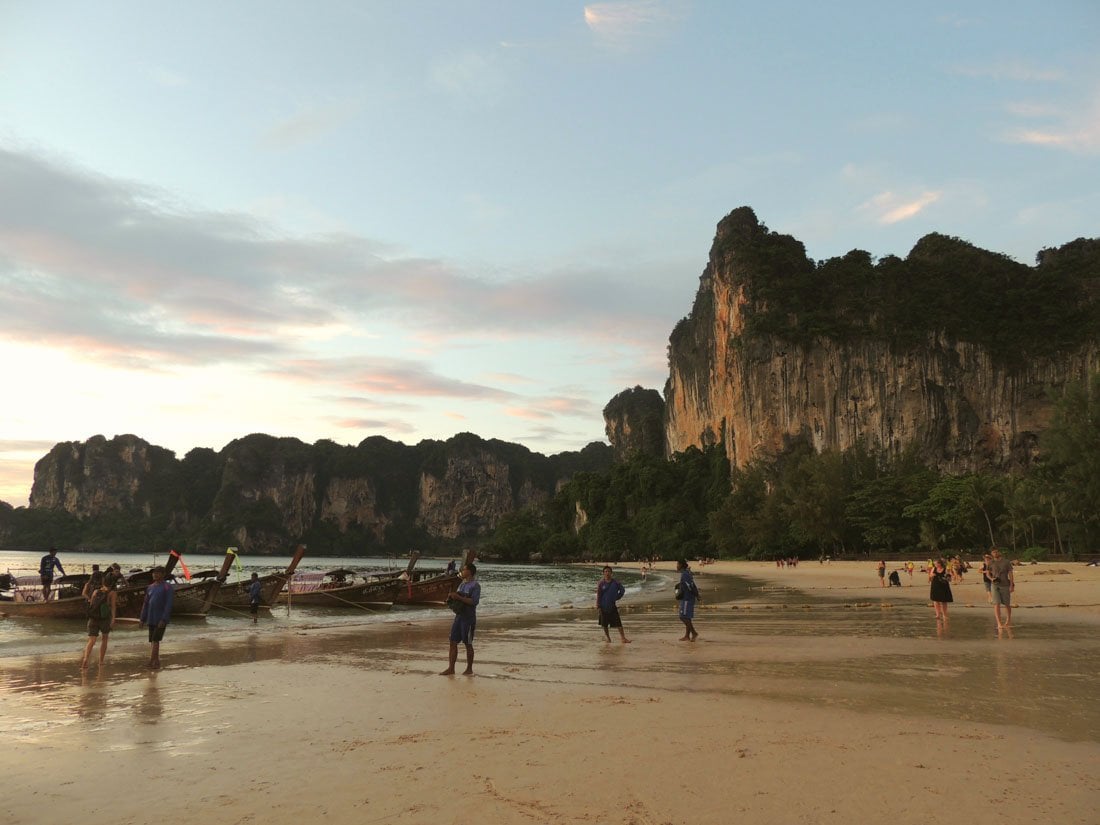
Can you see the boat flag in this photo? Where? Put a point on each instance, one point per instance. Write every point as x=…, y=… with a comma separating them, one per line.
x=236, y=559
x=183, y=567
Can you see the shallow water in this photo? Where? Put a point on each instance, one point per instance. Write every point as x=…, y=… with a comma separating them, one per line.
x=505, y=589
x=893, y=659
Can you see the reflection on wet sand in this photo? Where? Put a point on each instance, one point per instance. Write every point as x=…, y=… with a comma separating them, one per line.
x=897, y=659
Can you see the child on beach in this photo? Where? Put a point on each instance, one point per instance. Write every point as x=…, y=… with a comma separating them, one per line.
x=687, y=595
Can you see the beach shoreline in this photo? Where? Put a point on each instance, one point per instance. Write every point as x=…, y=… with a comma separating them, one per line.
x=775, y=715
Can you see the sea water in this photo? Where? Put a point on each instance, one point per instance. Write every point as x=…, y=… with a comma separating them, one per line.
x=506, y=589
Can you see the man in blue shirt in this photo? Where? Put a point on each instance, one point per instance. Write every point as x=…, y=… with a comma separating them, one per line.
x=608, y=592
x=45, y=571
x=688, y=594
x=464, y=603
x=155, y=612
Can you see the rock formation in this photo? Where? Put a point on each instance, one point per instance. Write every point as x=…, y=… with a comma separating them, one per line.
x=634, y=422
x=964, y=406
x=263, y=493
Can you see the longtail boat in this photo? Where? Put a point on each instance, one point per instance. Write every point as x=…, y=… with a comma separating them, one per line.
x=22, y=596
x=346, y=588
x=427, y=589
x=236, y=595
x=191, y=598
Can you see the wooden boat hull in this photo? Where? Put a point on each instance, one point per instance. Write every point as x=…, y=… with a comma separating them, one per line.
x=428, y=592
x=375, y=595
x=190, y=600
x=236, y=596
x=74, y=607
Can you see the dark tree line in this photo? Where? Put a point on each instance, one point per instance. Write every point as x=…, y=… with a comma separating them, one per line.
x=812, y=504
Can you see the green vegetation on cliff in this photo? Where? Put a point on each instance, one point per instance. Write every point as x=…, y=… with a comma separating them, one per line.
x=810, y=504
x=945, y=286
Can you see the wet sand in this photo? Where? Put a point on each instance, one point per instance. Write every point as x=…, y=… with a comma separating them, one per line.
x=837, y=702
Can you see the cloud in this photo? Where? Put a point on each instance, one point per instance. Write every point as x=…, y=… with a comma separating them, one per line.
x=888, y=208
x=311, y=123
x=168, y=78
x=1075, y=130
x=1011, y=70
x=471, y=77
x=623, y=26
x=119, y=273
x=373, y=425
x=385, y=376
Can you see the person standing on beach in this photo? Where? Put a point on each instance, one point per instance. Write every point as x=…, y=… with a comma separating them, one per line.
x=464, y=603
x=102, y=609
x=254, y=592
x=49, y=563
x=986, y=581
x=1003, y=585
x=608, y=592
x=687, y=594
x=882, y=574
x=939, y=591
x=155, y=612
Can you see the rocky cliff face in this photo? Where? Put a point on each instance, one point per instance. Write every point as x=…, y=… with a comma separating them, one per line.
x=263, y=493
x=470, y=495
x=963, y=408
x=100, y=476
x=634, y=421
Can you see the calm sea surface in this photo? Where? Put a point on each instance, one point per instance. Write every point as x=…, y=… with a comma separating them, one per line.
x=506, y=589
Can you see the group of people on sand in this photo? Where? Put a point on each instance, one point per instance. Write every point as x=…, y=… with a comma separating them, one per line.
x=894, y=579
x=465, y=599
x=101, y=593
x=997, y=576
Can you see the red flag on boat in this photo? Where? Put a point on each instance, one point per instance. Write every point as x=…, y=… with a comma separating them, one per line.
x=183, y=567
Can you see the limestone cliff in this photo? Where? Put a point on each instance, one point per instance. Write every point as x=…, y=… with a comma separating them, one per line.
x=263, y=493
x=738, y=376
x=100, y=476
x=634, y=422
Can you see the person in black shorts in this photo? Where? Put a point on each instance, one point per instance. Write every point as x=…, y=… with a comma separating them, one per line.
x=608, y=592
x=102, y=607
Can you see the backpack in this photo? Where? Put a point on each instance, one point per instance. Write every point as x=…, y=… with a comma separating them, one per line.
x=98, y=606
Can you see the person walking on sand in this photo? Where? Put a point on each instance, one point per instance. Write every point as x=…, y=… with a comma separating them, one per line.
x=255, y=588
x=102, y=609
x=464, y=602
x=940, y=589
x=1002, y=586
x=46, y=566
x=155, y=612
x=608, y=592
x=687, y=594
x=882, y=574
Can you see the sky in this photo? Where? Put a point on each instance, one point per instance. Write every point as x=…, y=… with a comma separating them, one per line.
x=412, y=219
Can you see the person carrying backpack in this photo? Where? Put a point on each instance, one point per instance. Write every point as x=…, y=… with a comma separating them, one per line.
x=686, y=596
x=102, y=607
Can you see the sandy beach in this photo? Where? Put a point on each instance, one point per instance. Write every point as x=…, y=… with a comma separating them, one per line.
x=815, y=697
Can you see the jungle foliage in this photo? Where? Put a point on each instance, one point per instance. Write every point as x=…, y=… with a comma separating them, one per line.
x=855, y=503
x=944, y=286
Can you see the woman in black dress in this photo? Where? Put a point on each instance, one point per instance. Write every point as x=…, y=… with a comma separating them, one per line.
x=940, y=589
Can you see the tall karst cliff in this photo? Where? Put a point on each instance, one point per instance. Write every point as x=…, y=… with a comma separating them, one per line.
x=264, y=493
x=953, y=349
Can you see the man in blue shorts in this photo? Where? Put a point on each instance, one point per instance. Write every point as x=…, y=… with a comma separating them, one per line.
x=155, y=612
x=464, y=603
